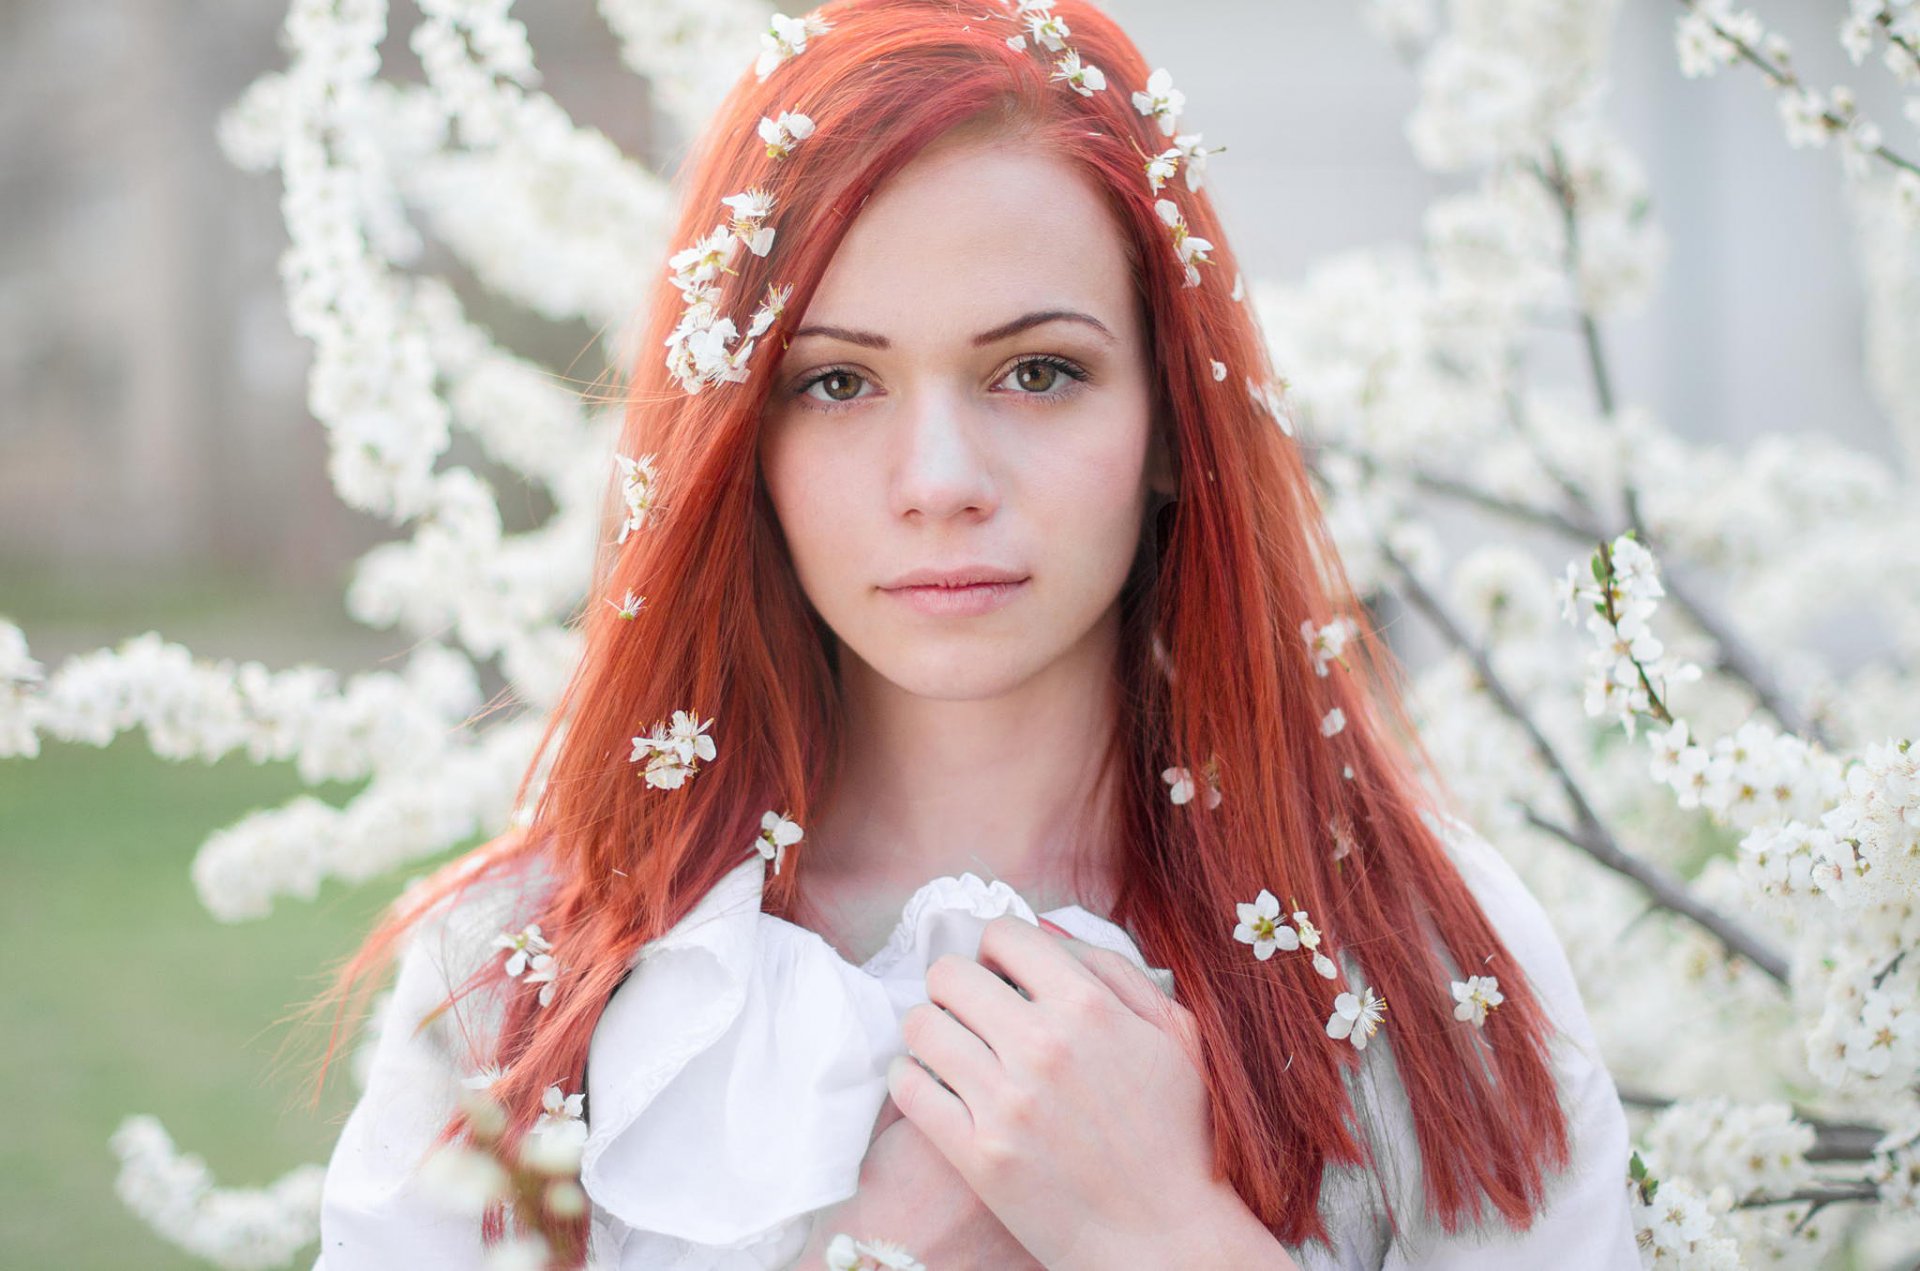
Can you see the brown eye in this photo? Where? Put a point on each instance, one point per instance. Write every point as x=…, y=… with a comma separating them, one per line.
x=1036, y=377
x=841, y=386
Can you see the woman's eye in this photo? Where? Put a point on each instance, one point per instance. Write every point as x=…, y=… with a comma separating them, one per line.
x=1042, y=376
x=840, y=385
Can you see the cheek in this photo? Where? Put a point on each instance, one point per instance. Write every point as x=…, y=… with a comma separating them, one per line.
x=801, y=482
x=1092, y=494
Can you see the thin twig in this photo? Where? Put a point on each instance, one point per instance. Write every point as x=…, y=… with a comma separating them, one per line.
x=1828, y=1195
x=1592, y=835
x=1850, y=1141
x=1781, y=76
x=1733, y=657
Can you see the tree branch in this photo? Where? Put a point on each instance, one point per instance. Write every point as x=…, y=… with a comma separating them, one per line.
x=1850, y=1141
x=1591, y=836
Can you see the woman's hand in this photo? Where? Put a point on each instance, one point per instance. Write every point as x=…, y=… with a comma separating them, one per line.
x=1077, y=1113
x=910, y=1195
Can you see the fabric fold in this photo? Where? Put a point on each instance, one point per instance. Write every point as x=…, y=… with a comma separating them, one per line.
x=736, y=1074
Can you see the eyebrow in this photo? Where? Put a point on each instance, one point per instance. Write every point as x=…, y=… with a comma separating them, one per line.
x=1038, y=317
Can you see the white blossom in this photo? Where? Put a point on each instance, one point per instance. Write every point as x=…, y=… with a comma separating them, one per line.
x=1475, y=996
x=1161, y=101
x=1356, y=1018
x=784, y=38
x=777, y=834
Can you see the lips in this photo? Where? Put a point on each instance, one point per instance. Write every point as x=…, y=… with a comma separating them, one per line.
x=955, y=576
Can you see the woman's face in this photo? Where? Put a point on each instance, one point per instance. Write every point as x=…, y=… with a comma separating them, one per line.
x=969, y=390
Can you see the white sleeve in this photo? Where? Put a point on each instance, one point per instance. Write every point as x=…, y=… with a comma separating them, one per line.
x=373, y=1214
x=1585, y=1223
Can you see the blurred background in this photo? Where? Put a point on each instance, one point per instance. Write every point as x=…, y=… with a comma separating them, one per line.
x=159, y=470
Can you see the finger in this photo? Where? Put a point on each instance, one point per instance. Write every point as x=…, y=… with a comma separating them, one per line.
x=942, y=1117
x=1037, y=961
x=983, y=1000
x=952, y=1050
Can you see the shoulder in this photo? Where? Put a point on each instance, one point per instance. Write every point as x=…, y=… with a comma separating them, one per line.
x=1522, y=924
x=450, y=939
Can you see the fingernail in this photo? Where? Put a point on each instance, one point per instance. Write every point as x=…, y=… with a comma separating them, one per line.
x=1055, y=927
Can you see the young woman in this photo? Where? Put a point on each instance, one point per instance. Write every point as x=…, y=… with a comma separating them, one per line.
x=967, y=575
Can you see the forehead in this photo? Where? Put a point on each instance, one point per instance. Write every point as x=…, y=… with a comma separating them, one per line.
x=970, y=234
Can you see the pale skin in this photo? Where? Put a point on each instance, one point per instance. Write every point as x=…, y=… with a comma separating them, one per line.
x=921, y=418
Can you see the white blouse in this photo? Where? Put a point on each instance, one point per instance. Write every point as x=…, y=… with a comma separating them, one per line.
x=735, y=1075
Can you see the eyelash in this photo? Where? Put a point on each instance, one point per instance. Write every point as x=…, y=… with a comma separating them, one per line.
x=1072, y=370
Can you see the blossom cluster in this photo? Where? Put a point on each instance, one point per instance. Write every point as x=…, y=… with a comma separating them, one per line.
x=242, y=1229
x=1629, y=673
x=674, y=750
x=1712, y=35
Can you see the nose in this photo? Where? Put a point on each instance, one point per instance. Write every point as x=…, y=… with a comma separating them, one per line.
x=943, y=466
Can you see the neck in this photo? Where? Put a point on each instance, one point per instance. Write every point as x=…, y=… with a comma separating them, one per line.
x=1008, y=787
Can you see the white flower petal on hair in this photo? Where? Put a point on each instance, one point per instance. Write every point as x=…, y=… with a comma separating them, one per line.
x=784, y=131
x=1259, y=928
x=1048, y=31
x=1356, y=1018
x=1161, y=100
x=637, y=478
x=1219, y=370
x=1187, y=146
x=777, y=833
x=1475, y=996
x=785, y=38
x=1333, y=722
x=1084, y=78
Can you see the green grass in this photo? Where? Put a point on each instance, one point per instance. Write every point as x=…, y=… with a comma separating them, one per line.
x=125, y=995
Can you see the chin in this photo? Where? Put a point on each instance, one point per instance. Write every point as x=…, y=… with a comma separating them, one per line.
x=958, y=674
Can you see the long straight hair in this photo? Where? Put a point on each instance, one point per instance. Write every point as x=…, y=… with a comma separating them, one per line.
x=1213, y=674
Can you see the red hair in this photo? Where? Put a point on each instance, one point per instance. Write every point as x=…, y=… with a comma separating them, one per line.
x=1213, y=666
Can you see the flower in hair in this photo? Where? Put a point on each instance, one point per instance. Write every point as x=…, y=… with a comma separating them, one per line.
x=637, y=477
x=784, y=132
x=1181, y=784
x=749, y=210
x=712, y=356
x=1268, y=398
x=786, y=37
x=1162, y=167
x=1332, y=722
x=1187, y=246
x=777, y=834
x=1310, y=941
x=629, y=605
x=1196, y=155
x=1084, y=78
x=544, y=971
x=1047, y=30
x=1219, y=369
x=1161, y=100
x=1356, y=1018
x=521, y=947
x=1475, y=996
x=674, y=752
x=1261, y=928
x=1325, y=643
x=770, y=309
x=705, y=261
